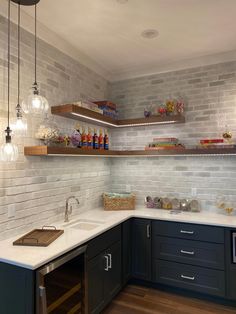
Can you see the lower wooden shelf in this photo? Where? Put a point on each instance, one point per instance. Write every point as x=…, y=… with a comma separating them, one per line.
x=71, y=151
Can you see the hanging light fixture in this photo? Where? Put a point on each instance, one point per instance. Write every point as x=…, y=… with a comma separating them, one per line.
x=34, y=103
x=19, y=127
x=8, y=151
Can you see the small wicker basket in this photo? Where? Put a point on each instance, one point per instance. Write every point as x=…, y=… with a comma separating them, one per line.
x=116, y=202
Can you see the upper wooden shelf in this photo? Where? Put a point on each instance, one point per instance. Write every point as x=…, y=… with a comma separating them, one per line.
x=71, y=151
x=78, y=113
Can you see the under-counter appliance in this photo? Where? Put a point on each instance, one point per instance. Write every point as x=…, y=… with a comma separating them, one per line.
x=234, y=247
x=61, y=285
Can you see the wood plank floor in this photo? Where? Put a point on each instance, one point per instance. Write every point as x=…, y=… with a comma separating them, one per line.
x=140, y=300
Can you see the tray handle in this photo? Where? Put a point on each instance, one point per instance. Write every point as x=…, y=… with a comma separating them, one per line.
x=49, y=227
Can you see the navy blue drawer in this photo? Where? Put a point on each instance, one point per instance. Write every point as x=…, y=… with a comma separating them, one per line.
x=103, y=241
x=188, y=231
x=190, y=252
x=189, y=277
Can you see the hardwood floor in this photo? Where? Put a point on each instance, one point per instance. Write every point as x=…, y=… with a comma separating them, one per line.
x=141, y=300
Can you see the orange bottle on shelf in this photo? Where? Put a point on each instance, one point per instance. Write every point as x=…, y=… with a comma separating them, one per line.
x=101, y=140
x=84, y=138
x=89, y=139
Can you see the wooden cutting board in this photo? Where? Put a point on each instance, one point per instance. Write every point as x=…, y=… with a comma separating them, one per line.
x=39, y=237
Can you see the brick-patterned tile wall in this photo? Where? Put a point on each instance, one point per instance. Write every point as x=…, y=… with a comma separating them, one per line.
x=210, y=96
x=37, y=187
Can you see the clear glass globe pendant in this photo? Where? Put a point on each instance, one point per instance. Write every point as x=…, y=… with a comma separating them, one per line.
x=35, y=103
x=8, y=150
x=19, y=127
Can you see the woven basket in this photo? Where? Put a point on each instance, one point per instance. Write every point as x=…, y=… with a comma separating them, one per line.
x=119, y=203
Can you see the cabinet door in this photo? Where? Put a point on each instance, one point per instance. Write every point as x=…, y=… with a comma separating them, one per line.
x=95, y=273
x=126, y=251
x=112, y=277
x=141, y=249
x=16, y=290
x=230, y=266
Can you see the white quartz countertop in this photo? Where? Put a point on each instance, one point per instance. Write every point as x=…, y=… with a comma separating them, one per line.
x=33, y=257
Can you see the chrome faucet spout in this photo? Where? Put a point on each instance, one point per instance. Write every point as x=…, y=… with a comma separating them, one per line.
x=67, y=211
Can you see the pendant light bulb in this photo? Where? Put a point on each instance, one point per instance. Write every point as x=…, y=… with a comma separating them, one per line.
x=19, y=127
x=8, y=150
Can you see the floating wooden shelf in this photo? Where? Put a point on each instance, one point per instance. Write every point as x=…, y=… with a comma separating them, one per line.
x=78, y=113
x=71, y=151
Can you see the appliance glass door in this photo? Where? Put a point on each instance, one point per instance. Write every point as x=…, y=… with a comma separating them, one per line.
x=61, y=285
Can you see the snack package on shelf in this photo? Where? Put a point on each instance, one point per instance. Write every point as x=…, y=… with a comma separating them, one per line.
x=164, y=143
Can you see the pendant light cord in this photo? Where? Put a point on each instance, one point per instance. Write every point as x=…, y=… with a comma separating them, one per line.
x=8, y=62
x=19, y=22
x=35, y=45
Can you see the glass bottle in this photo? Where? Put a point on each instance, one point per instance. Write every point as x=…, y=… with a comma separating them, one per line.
x=84, y=138
x=106, y=141
x=89, y=139
x=95, y=139
x=101, y=140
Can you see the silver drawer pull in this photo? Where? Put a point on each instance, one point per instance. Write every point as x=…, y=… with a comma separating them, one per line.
x=110, y=261
x=186, y=232
x=187, y=277
x=187, y=252
x=107, y=262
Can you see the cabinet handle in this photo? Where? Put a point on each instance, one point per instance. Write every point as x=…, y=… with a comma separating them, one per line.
x=187, y=277
x=42, y=294
x=107, y=263
x=187, y=252
x=110, y=261
x=148, y=231
x=186, y=232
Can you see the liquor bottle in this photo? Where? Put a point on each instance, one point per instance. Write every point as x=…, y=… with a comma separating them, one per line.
x=89, y=139
x=84, y=138
x=106, y=141
x=101, y=140
x=95, y=139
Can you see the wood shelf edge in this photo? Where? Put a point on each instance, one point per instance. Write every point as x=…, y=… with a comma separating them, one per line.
x=72, y=151
x=79, y=113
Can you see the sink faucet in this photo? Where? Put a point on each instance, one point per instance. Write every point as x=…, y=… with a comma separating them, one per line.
x=67, y=211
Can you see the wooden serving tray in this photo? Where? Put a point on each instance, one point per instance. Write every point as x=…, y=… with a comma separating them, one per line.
x=39, y=237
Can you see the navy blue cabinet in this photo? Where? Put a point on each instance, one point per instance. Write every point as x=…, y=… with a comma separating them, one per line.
x=141, y=249
x=17, y=286
x=104, y=269
x=230, y=266
x=189, y=256
x=126, y=251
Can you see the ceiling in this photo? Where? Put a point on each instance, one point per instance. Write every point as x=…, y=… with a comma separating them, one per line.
x=109, y=32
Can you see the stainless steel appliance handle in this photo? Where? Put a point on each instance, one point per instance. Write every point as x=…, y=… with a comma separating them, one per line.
x=43, y=300
x=107, y=262
x=148, y=231
x=187, y=252
x=186, y=232
x=60, y=261
x=110, y=261
x=187, y=277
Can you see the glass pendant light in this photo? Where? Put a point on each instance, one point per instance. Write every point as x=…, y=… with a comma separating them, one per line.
x=19, y=127
x=8, y=151
x=35, y=103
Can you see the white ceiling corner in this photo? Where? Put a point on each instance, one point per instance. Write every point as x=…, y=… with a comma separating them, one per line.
x=105, y=34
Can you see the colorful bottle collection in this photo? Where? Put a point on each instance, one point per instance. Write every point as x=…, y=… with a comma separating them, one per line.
x=86, y=140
